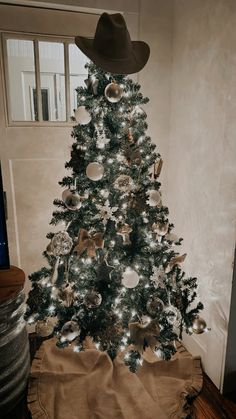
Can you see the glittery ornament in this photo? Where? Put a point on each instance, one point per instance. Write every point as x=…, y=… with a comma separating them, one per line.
x=73, y=201
x=154, y=305
x=92, y=299
x=154, y=198
x=172, y=314
x=125, y=231
x=101, y=140
x=130, y=278
x=159, y=276
x=44, y=327
x=124, y=183
x=61, y=244
x=70, y=331
x=95, y=171
x=160, y=228
x=82, y=116
x=113, y=92
x=199, y=325
x=106, y=212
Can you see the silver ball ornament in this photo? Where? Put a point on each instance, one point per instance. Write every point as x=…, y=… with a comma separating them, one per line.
x=154, y=198
x=95, y=171
x=73, y=201
x=82, y=116
x=70, y=331
x=113, y=92
x=199, y=325
x=130, y=278
x=92, y=299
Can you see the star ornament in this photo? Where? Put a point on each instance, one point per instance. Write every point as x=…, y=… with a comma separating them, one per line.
x=106, y=212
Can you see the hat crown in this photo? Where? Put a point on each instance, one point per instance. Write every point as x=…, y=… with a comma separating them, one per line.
x=112, y=38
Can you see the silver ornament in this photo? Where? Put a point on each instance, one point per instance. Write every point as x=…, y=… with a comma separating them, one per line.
x=61, y=244
x=65, y=193
x=154, y=198
x=154, y=305
x=95, y=171
x=92, y=299
x=73, y=201
x=113, y=92
x=82, y=116
x=124, y=183
x=199, y=325
x=130, y=278
x=70, y=331
x=160, y=228
x=44, y=327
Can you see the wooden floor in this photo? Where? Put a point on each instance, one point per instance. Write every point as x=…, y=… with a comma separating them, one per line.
x=210, y=404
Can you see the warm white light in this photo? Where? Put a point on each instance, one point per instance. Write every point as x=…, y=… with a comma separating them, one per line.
x=51, y=308
x=110, y=161
x=97, y=345
x=116, y=261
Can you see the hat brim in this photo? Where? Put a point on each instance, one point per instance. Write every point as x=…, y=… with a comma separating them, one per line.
x=133, y=64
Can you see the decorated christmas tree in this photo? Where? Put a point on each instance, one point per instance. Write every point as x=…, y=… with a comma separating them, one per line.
x=114, y=270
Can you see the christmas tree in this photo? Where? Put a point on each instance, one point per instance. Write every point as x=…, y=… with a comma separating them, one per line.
x=114, y=271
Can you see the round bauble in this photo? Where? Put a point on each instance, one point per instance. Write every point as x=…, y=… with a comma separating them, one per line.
x=92, y=299
x=160, y=228
x=73, y=201
x=65, y=193
x=61, y=244
x=154, y=198
x=82, y=116
x=113, y=92
x=138, y=111
x=130, y=278
x=199, y=325
x=45, y=327
x=154, y=305
x=70, y=331
x=124, y=183
x=95, y=171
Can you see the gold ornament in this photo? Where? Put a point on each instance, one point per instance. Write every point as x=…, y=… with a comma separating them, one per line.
x=176, y=261
x=67, y=294
x=124, y=183
x=45, y=327
x=133, y=156
x=89, y=243
x=199, y=325
x=160, y=228
x=157, y=168
x=144, y=335
x=113, y=92
x=124, y=231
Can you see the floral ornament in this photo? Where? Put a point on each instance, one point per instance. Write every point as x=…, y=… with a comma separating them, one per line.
x=106, y=212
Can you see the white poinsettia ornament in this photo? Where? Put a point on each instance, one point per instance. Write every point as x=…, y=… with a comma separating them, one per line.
x=106, y=212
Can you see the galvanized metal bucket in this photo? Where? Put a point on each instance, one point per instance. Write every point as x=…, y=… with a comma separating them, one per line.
x=14, y=353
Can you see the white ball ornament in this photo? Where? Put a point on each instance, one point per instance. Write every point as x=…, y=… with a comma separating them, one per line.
x=70, y=331
x=130, y=278
x=154, y=198
x=95, y=171
x=82, y=116
x=113, y=92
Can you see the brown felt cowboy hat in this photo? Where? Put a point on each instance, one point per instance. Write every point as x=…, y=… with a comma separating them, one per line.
x=112, y=49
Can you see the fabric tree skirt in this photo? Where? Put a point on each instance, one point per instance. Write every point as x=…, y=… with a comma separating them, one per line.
x=87, y=385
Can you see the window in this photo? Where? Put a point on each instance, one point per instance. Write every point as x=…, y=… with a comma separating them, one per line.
x=42, y=76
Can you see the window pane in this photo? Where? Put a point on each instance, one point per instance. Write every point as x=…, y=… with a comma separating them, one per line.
x=52, y=79
x=20, y=56
x=78, y=73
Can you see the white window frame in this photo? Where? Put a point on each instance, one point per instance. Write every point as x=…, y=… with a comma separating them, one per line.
x=36, y=38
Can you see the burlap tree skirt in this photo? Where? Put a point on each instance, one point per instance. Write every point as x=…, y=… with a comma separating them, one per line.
x=87, y=385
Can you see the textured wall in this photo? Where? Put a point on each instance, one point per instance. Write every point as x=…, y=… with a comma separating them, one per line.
x=201, y=159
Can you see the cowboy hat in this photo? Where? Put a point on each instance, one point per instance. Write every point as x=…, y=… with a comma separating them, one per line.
x=112, y=49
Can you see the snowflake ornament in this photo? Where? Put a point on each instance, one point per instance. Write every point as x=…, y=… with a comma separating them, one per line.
x=106, y=212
